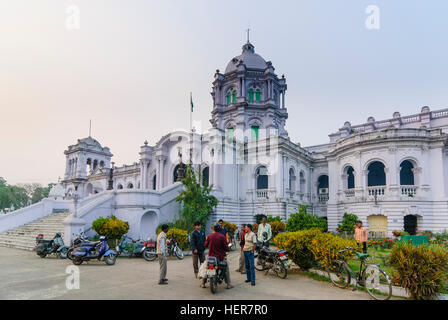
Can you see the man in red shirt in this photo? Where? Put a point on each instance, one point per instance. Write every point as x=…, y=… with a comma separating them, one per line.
x=217, y=247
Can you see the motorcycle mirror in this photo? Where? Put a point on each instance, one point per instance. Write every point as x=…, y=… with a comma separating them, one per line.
x=229, y=245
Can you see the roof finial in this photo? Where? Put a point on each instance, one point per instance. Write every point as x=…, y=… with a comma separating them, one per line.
x=90, y=128
x=248, y=31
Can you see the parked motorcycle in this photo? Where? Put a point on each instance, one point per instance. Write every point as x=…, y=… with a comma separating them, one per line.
x=216, y=272
x=130, y=247
x=150, y=253
x=275, y=260
x=78, y=241
x=95, y=250
x=55, y=245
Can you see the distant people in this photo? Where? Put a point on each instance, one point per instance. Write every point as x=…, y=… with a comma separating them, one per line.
x=361, y=235
x=217, y=247
x=264, y=231
x=197, y=241
x=162, y=253
x=241, y=234
x=250, y=244
x=224, y=230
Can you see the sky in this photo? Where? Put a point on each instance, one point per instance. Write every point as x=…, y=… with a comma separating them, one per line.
x=130, y=65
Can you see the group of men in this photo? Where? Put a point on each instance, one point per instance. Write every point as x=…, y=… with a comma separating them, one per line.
x=218, y=246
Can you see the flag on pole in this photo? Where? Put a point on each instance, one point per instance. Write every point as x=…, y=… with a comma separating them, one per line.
x=191, y=102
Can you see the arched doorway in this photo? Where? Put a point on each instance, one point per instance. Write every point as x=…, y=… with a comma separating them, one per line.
x=378, y=226
x=176, y=171
x=261, y=178
x=205, y=176
x=376, y=175
x=410, y=224
x=148, y=225
x=407, y=173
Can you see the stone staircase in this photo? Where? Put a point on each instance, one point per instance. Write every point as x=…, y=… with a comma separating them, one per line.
x=24, y=237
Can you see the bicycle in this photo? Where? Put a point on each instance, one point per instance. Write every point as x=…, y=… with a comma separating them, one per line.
x=370, y=276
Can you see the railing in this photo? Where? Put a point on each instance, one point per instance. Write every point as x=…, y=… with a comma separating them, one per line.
x=409, y=191
x=323, y=198
x=376, y=191
x=349, y=193
x=262, y=194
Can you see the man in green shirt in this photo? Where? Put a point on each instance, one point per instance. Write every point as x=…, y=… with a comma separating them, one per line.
x=262, y=228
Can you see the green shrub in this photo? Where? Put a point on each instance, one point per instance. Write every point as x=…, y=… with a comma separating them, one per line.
x=325, y=248
x=421, y=270
x=304, y=221
x=111, y=227
x=297, y=244
x=348, y=222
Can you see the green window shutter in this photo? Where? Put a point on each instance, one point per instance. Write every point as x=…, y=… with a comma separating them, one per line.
x=228, y=98
x=251, y=95
x=230, y=133
x=254, y=130
x=234, y=96
x=258, y=95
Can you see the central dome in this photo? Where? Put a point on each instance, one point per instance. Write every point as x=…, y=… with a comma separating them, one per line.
x=249, y=58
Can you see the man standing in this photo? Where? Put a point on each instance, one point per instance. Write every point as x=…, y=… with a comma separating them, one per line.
x=197, y=240
x=224, y=230
x=361, y=235
x=242, y=233
x=162, y=254
x=217, y=247
x=262, y=228
x=250, y=244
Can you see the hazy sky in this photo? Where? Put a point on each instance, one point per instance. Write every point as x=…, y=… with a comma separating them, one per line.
x=131, y=65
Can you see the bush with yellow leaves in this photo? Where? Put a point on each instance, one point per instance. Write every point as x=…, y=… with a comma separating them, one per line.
x=325, y=247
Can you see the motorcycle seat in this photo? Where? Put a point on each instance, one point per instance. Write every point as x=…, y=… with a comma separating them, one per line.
x=88, y=243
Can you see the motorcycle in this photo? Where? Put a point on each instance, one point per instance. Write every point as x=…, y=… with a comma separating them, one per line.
x=53, y=246
x=149, y=254
x=173, y=249
x=78, y=241
x=94, y=250
x=130, y=247
x=216, y=272
x=276, y=260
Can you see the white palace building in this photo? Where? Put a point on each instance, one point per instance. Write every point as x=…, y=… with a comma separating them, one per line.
x=393, y=174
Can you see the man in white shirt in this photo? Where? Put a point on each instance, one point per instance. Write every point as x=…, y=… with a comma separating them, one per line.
x=262, y=228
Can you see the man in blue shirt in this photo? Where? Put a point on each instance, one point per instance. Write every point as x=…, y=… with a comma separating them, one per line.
x=197, y=240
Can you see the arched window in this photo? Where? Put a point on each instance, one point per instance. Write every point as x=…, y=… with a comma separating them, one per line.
x=322, y=184
x=376, y=175
x=262, y=177
x=120, y=186
x=406, y=173
x=254, y=132
x=205, y=176
x=130, y=186
x=154, y=181
x=350, y=178
x=231, y=96
x=292, y=179
x=179, y=168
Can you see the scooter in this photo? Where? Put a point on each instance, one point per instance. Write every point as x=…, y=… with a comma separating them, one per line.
x=55, y=245
x=130, y=247
x=94, y=250
x=77, y=242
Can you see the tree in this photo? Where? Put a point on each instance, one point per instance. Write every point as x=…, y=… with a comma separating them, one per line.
x=348, y=223
x=197, y=202
x=303, y=221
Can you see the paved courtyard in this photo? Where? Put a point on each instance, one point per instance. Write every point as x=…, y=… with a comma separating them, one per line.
x=23, y=275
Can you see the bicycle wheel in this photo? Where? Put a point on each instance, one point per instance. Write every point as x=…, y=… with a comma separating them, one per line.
x=377, y=282
x=339, y=274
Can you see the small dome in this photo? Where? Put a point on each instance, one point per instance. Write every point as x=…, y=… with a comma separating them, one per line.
x=249, y=58
x=91, y=142
x=57, y=191
x=370, y=119
x=396, y=115
x=425, y=109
